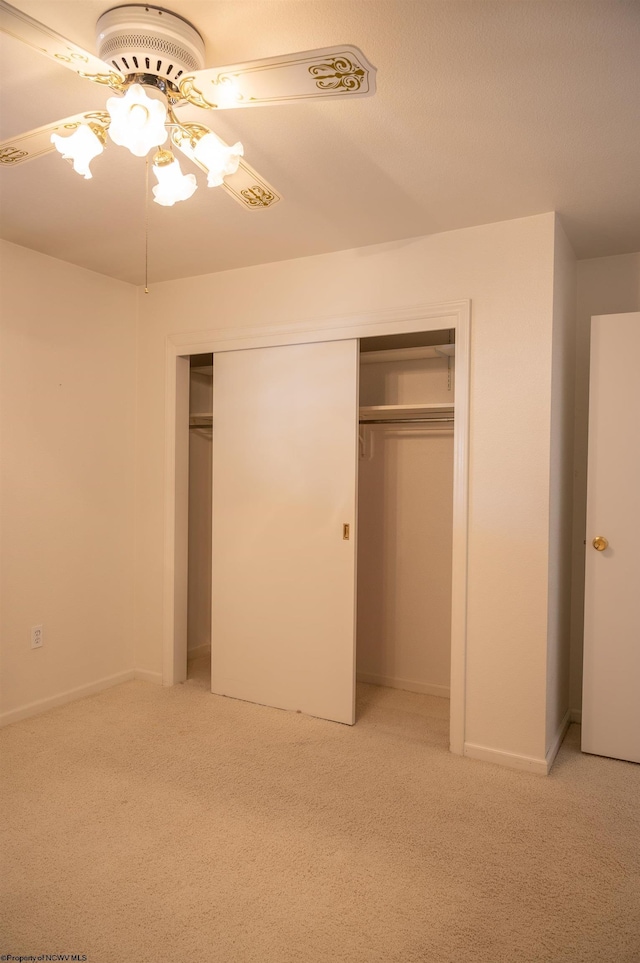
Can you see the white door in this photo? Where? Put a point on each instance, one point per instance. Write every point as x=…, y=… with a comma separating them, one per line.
x=284, y=487
x=611, y=687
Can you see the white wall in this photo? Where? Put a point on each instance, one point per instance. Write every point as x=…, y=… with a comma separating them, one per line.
x=506, y=269
x=67, y=396
x=607, y=285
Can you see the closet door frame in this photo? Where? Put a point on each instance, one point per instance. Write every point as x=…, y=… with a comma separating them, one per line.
x=403, y=320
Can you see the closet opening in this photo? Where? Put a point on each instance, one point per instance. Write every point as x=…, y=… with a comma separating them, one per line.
x=198, y=667
x=384, y=390
x=405, y=518
x=405, y=514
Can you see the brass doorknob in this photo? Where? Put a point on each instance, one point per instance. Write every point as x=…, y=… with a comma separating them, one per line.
x=600, y=543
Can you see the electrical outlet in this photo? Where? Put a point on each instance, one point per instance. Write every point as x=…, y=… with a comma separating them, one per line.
x=37, y=636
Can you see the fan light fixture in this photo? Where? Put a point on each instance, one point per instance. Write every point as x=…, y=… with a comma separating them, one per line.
x=173, y=185
x=140, y=123
x=153, y=60
x=211, y=154
x=137, y=121
x=86, y=142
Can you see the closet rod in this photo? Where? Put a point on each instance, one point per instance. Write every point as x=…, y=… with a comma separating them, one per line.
x=369, y=421
x=405, y=421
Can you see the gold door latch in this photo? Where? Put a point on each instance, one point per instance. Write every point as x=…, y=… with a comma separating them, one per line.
x=600, y=543
x=345, y=532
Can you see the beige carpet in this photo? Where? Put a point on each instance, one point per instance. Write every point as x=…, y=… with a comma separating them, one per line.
x=148, y=824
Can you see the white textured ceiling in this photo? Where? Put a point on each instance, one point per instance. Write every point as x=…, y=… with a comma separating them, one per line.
x=485, y=110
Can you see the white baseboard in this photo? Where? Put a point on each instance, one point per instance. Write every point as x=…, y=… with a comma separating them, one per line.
x=576, y=716
x=198, y=650
x=426, y=688
x=552, y=752
x=145, y=676
x=72, y=695
x=508, y=759
x=514, y=761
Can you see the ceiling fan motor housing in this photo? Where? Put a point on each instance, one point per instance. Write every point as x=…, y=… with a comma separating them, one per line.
x=141, y=39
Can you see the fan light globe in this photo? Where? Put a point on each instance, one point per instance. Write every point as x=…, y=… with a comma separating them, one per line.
x=137, y=121
x=80, y=147
x=218, y=159
x=173, y=185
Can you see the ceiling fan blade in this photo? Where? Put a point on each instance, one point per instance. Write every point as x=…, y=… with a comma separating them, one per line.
x=250, y=190
x=246, y=186
x=22, y=27
x=328, y=72
x=35, y=143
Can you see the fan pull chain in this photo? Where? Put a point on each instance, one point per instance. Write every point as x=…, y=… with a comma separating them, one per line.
x=146, y=227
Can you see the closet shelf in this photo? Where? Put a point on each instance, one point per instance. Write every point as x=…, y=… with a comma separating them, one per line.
x=426, y=353
x=378, y=413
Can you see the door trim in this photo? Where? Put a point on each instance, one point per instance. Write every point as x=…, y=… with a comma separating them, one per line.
x=403, y=320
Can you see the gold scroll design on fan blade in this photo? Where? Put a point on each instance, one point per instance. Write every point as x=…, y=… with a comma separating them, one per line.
x=257, y=196
x=115, y=81
x=72, y=58
x=13, y=155
x=339, y=73
x=101, y=117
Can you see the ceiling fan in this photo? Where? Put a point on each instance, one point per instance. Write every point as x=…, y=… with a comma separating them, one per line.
x=152, y=61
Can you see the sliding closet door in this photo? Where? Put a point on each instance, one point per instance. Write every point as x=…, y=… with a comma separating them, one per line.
x=284, y=487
